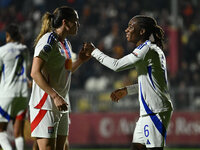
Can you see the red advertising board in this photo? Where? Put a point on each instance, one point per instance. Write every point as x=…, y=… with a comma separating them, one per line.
x=117, y=128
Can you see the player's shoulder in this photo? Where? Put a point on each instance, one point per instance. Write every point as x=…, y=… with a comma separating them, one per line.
x=144, y=45
x=142, y=49
x=6, y=47
x=156, y=49
x=48, y=37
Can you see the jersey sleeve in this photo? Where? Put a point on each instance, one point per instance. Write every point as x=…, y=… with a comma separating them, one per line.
x=44, y=47
x=132, y=89
x=124, y=63
x=141, y=50
x=1, y=61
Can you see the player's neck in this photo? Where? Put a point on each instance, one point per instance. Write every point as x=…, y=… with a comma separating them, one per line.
x=61, y=35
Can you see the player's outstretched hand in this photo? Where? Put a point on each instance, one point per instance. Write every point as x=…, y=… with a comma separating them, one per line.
x=88, y=47
x=60, y=103
x=83, y=56
x=118, y=94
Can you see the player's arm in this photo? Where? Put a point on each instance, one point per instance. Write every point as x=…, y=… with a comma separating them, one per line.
x=39, y=79
x=82, y=57
x=120, y=93
x=124, y=63
x=127, y=62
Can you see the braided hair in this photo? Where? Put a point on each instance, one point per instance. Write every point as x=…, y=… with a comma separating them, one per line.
x=151, y=27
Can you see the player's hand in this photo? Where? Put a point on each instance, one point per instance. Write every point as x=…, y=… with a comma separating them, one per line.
x=60, y=103
x=83, y=56
x=118, y=94
x=88, y=48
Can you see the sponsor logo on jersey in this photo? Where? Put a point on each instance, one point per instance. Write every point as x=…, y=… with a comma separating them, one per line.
x=134, y=53
x=148, y=142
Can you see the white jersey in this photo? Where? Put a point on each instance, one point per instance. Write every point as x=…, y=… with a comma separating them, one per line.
x=150, y=63
x=54, y=54
x=13, y=81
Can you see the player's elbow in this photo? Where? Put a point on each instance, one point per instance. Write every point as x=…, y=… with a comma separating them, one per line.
x=34, y=73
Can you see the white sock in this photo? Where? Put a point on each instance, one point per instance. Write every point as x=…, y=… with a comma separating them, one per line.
x=19, y=143
x=4, y=141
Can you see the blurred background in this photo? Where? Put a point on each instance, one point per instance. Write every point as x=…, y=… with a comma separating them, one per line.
x=95, y=120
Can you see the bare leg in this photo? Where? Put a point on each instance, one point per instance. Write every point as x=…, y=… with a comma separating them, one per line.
x=138, y=146
x=66, y=144
x=4, y=141
x=35, y=145
x=18, y=128
x=62, y=142
x=46, y=143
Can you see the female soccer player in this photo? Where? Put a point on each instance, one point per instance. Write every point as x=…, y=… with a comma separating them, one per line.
x=51, y=72
x=13, y=85
x=150, y=63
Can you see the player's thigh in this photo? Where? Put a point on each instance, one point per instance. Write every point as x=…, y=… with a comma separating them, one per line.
x=138, y=135
x=138, y=146
x=63, y=131
x=5, y=109
x=63, y=126
x=154, y=128
x=46, y=143
x=44, y=123
x=60, y=142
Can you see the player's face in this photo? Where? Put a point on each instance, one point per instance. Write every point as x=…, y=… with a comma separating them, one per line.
x=8, y=37
x=132, y=31
x=74, y=25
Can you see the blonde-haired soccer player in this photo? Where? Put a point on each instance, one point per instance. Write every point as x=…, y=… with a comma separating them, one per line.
x=51, y=72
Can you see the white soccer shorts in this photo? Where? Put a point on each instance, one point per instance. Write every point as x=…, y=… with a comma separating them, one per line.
x=151, y=130
x=48, y=123
x=13, y=108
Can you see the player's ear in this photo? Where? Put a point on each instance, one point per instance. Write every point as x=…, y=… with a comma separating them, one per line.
x=142, y=31
x=8, y=37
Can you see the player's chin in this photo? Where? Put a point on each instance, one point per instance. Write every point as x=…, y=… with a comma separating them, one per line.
x=128, y=39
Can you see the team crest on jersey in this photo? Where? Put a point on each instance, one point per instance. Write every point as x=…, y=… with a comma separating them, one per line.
x=47, y=48
x=62, y=51
x=50, y=129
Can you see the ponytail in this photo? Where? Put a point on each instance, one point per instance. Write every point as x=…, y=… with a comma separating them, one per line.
x=151, y=27
x=54, y=21
x=158, y=34
x=46, y=26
